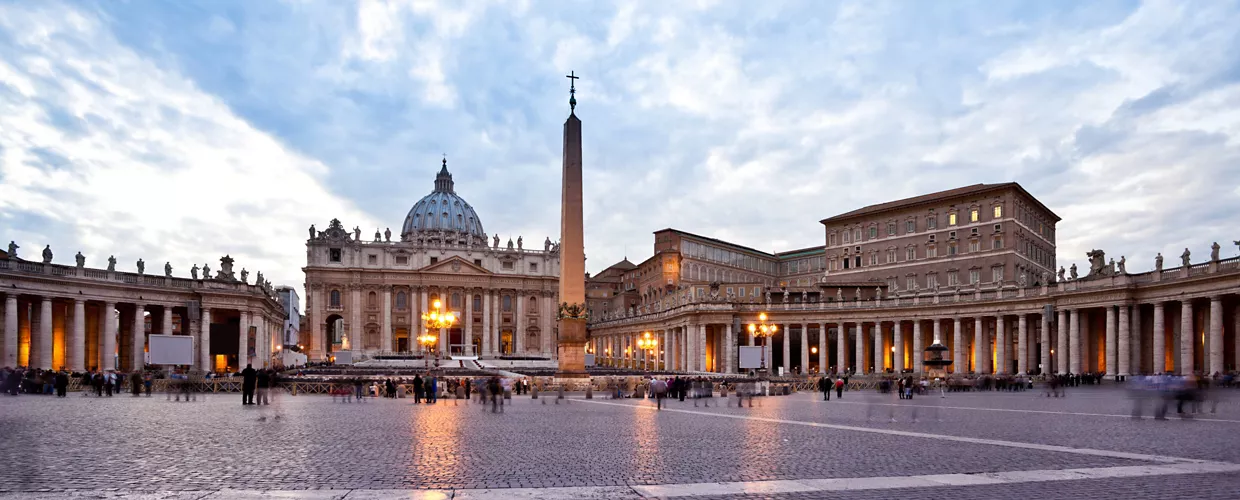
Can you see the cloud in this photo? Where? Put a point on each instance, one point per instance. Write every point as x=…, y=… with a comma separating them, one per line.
x=744, y=121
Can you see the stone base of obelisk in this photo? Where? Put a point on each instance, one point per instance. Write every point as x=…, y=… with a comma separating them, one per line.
x=572, y=350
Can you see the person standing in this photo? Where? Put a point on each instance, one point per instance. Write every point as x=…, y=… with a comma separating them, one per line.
x=417, y=389
x=825, y=386
x=263, y=383
x=248, y=379
x=62, y=384
x=839, y=387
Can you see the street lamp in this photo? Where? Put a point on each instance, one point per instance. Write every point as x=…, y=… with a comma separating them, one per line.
x=763, y=331
x=435, y=320
x=647, y=343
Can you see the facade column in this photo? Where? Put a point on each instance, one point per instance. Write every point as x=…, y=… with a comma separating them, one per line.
x=1124, y=348
x=243, y=339
x=959, y=363
x=980, y=341
x=860, y=348
x=518, y=331
x=918, y=347
x=1061, y=359
x=108, y=326
x=1022, y=344
x=138, y=332
x=1160, y=339
x=822, y=348
x=77, y=343
x=804, y=348
x=878, y=352
x=10, y=330
x=45, y=334
x=1045, y=337
x=386, y=336
x=1074, y=340
x=1136, y=352
x=701, y=355
x=1216, y=337
x=841, y=347
x=204, y=341
x=1187, y=339
x=729, y=350
x=1002, y=356
x=1112, y=341
x=486, y=326
x=787, y=343
x=355, y=321
x=897, y=339
x=166, y=320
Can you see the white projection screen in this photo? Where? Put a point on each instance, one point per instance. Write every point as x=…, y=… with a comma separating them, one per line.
x=750, y=357
x=171, y=349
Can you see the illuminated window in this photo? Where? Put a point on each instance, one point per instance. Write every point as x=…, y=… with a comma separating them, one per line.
x=973, y=215
x=998, y=211
x=951, y=219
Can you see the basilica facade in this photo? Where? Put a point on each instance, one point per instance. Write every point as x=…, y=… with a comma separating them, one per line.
x=369, y=296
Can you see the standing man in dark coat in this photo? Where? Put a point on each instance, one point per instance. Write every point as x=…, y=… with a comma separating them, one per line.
x=417, y=389
x=249, y=378
x=825, y=384
x=62, y=383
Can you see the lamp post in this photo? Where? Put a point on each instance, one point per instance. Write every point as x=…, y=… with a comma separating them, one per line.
x=648, y=344
x=435, y=320
x=763, y=331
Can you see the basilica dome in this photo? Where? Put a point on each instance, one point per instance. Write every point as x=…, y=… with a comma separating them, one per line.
x=442, y=215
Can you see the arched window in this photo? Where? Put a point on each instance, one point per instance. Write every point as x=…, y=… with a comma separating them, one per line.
x=507, y=303
x=402, y=300
x=372, y=299
x=456, y=301
x=335, y=298
x=477, y=303
x=533, y=307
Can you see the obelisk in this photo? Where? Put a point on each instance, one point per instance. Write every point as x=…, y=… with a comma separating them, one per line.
x=572, y=311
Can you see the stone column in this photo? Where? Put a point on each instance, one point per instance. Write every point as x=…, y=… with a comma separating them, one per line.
x=879, y=354
x=77, y=343
x=518, y=331
x=1002, y=356
x=486, y=326
x=10, y=330
x=1112, y=343
x=1187, y=339
x=166, y=320
x=918, y=347
x=45, y=334
x=860, y=347
x=108, y=327
x=980, y=341
x=1160, y=339
x=822, y=348
x=386, y=336
x=243, y=336
x=701, y=355
x=959, y=363
x=729, y=352
x=787, y=341
x=204, y=341
x=897, y=339
x=1061, y=358
x=841, y=347
x=1045, y=336
x=1136, y=367
x=1125, y=347
x=1216, y=336
x=355, y=321
x=804, y=348
x=138, y=333
x=1022, y=344
x=1074, y=340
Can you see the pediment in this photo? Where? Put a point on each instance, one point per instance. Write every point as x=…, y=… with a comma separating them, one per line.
x=455, y=265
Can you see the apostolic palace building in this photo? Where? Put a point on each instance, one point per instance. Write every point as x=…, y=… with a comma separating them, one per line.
x=368, y=297
x=974, y=267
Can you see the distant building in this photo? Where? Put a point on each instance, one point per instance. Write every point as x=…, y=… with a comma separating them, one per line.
x=292, y=310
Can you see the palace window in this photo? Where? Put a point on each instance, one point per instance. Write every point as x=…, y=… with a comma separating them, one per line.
x=335, y=299
x=910, y=226
x=402, y=301
x=998, y=211
x=951, y=219
x=974, y=276
x=975, y=246
x=830, y=242
x=910, y=283
x=847, y=239
x=333, y=255
x=932, y=222
x=891, y=229
x=996, y=243
x=873, y=258
x=996, y=274
x=891, y=255
x=910, y=253
x=932, y=251
x=973, y=215
x=857, y=261
x=952, y=280
x=873, y=232
x=402, y=260
x=857, y=235
x=932, y=280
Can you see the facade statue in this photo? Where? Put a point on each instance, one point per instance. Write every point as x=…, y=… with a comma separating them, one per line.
x=1023, y=281
x=547, y=244
x=244, y=275
x=518, y=242
x=258, y=280
x=193, y=271
x=785, y=296
x=1061, y=271
x=141, y=267
x=206, y=272
x=804, y=296
x=1111, y=265
x=387, y=234
x=510, y=243
x=312, y=231
x=1185, y=258
x=1045, y=279
x=839, y=294
x=858, y=294
x=1158, y=262
x=378, y=235
x=1123, y=269
x=167, y=269
x=81, y=260
x=13, y=249
x=1214, y=252
x=878, y=293
x=1097, y=261
x=47, y=254
x=357, y=233
x=768, y=296
x=1072, y=271
x=495, y=242
x=112, y=263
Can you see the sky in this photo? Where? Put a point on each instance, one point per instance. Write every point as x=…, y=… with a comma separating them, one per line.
x=181, y=131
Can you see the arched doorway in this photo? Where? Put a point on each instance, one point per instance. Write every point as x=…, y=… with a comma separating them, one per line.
x=505, y=342
x=335, y=335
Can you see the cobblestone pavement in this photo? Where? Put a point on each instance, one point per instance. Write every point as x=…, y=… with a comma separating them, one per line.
x=84, y=447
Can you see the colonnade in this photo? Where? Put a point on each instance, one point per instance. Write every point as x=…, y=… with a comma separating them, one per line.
x=690, y=347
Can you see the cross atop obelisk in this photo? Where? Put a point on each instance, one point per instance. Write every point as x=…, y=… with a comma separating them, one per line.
x=572, y=312
x=572, y=91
